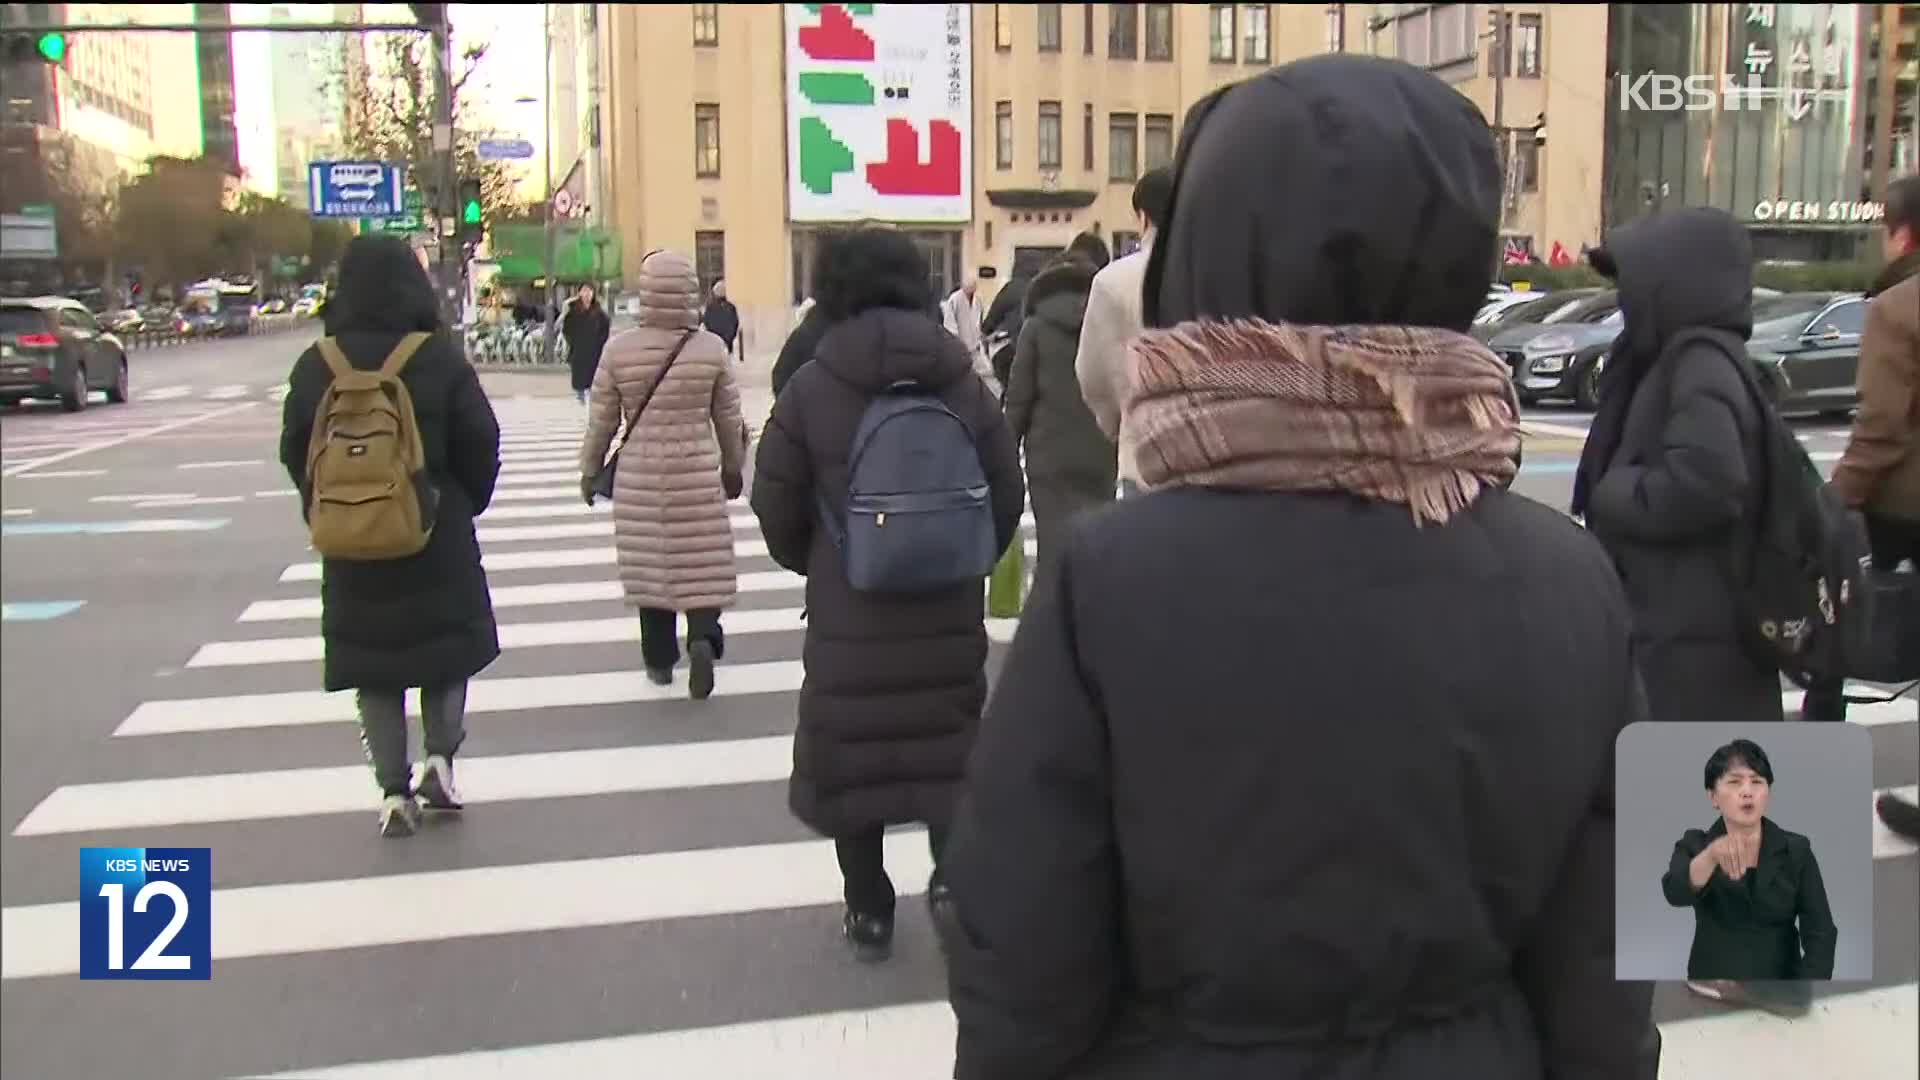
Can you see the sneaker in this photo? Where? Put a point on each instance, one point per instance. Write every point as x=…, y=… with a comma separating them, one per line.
x=399, y=815
x=660, y=676
x=700, y=668
x=871, y=936
x=435, y=789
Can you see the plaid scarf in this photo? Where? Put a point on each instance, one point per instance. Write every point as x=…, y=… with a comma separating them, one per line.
x=1422, y=417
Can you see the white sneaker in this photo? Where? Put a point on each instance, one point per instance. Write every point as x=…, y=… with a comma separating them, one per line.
x=435, y=788
x=399, y=815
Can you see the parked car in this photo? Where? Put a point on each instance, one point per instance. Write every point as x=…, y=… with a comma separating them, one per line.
x=1807, y=349
x=1558, y=356
x=1499, y=303
x=1538, y=310
x=126, y=321
x=52, y=347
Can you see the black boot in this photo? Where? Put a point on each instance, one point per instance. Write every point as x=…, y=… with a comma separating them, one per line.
x=871, y=936
x=660, y=676
x=1900, y=816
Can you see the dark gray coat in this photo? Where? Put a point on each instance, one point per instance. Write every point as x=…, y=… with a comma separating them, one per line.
x=1681, y=481
x=1063, y=442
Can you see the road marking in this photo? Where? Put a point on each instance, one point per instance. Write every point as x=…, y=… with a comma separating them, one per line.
x=540, y=463
x=392, y=909
x=557, y=476
x=1854, y=1035
x=163, y=393
x=572, y=508
x=18, y=511
x=38, y=611
x=63, y=474
x=529, y=492
x=233, y=464
x=530, y=635
x=566, y=530
x=287, y=793
x=121, y=440
x=105, y=528
x=516, y=596
x=277, y=394
x=227, y=392
x=196, y=500
x=1564, y=431
x=158, y=496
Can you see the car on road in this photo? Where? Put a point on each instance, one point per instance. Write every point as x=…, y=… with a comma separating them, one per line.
x=1806, y=347
x=53, y=347
x=1556, y=354
x=1538, y=309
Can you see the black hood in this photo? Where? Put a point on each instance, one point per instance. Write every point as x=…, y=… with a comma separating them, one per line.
x=1333, y=190
x=382, y=289
x=1059, y=293
x=1680, y=270
x=884, y=345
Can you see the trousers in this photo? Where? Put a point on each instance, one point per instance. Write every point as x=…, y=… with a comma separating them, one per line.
x=383, y=730
x=660, y=640
x=863, y=869
x=1890, y=542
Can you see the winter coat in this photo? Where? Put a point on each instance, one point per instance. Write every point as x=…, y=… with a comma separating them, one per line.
x=1774, y=923
x=800, y=346
x=672, y=532
x=1113, y=318
x=1880, y=471
x=722, y=319
x=427, y=619
x=894, y=684
x=1063, y=442
x=1006, y=314
x=1672, y=500
x=586, y=331
x=1263, y=787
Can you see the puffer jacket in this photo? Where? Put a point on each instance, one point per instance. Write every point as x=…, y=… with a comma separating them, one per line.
x=1045, y=408
x=670, y=523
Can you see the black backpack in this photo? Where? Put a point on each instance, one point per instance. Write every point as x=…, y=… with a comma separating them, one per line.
x=1801, y=568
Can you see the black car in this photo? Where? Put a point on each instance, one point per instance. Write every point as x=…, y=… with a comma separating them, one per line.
x=52, y=347
x=1806, y=347
x=1558, y=356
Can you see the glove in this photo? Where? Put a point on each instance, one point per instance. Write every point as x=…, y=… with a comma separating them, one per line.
x=586, y=489
x=733, y=483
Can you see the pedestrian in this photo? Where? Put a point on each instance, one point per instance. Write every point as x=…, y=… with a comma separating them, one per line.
x=425, y=620
x=1113, y=318
x=894, y=683
x=1264, y=786
x=668, y=385
x=1070, y=461
x=1667, y=479
x=586, y=328
x=1879, y=474
x=722, y=319
x=960, y=312
x=1000, y=327
x=813, y=321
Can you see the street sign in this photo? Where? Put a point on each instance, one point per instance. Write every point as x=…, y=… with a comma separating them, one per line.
x=505, y=149
x=356, y=189
x=38, y=210
x=403, y=223
x=563, y=202
x=23, y=237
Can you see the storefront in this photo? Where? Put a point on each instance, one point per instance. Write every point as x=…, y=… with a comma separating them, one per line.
x=1780, y=140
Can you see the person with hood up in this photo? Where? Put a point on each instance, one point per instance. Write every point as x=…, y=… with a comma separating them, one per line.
x=722, y=319
x=586, y=327
x=425, y=620
x=894, y=684
x=813, y=320
x=1071, y=464
x=670, y=385
x=1253, y=796
x=1667, y=479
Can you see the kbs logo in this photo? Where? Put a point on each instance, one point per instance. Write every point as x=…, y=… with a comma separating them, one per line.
x=1654, y=92
x=144, y=913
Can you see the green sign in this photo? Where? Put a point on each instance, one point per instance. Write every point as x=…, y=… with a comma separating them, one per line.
x=37, y=210
x=411, y=223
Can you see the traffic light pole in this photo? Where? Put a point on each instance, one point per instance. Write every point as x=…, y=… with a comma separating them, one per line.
x=451, y=242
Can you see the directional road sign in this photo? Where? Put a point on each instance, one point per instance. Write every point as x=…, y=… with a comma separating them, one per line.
x=503, y=149
x=356, y=189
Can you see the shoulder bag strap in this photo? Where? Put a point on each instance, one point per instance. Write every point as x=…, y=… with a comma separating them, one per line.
x=657, y=380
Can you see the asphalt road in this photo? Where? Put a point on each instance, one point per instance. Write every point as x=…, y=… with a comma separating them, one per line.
x=626, y=895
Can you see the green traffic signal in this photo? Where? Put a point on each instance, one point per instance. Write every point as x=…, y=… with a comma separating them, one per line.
x=52, y=47
x=470, y=212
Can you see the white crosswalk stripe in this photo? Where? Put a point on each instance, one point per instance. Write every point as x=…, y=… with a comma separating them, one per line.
x=708, y=901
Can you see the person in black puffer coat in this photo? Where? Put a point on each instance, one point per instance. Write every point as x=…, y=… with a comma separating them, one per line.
x=1667, y=479
x=800, y=345
x=894, y=684
x=1072, y=467
x=1302, y=763
x=425, y=620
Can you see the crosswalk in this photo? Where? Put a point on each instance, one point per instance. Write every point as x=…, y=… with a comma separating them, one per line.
x=625, y=894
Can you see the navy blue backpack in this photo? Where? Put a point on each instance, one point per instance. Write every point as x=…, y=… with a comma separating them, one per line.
x=919, y=510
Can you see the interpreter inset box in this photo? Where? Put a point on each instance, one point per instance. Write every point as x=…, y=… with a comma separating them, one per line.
x=1743, y=852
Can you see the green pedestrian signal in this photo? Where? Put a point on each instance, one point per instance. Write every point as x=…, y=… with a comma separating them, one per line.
x=470, y=212
x=472, y=215
x=52, y=47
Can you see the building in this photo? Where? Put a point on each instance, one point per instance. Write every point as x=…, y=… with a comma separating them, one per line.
x=219, y=135
x=1531, y=69
x=307, y=107
x=1892, y=96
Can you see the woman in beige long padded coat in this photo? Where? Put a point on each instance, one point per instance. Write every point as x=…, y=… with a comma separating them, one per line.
x=678, y=471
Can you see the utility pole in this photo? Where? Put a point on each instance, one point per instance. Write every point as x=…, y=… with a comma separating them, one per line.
x=1502, y=56
x=549, y=324
x=451, y=269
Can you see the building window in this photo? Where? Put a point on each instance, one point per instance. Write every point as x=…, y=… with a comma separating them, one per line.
x=1526, y=47
x=1086, y=22
x=1047, y=29
x=1123, y=31
x=1159, y=31
x=1257, y=49
x=709, y=258
x=1123, y=151
x=1003, y=134
x=1526, y=162
x=1159, y=141
x=1220, y=32
x=706, y=140
x=1002, y=27
x=1436, y=35
x=1086, y=134
x=1050, y=135
x=706, y=24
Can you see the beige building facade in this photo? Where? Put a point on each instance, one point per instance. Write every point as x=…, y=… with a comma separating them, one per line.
x=1069, y=105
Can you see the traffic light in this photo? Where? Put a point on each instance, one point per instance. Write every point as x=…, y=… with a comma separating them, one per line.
x=48, y=48
x=472, y=217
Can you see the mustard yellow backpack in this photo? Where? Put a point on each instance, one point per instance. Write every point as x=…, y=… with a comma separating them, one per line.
x=368, y=495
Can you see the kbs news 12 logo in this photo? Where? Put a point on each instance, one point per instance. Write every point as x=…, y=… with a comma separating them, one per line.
x=145, y=913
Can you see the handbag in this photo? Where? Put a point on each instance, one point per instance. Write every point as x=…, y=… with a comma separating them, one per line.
x=603, y=480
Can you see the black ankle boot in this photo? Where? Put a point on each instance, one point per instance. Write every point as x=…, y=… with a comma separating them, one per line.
x=871, y=936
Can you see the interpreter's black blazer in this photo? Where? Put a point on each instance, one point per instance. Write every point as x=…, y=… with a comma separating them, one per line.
x=1774, y=923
